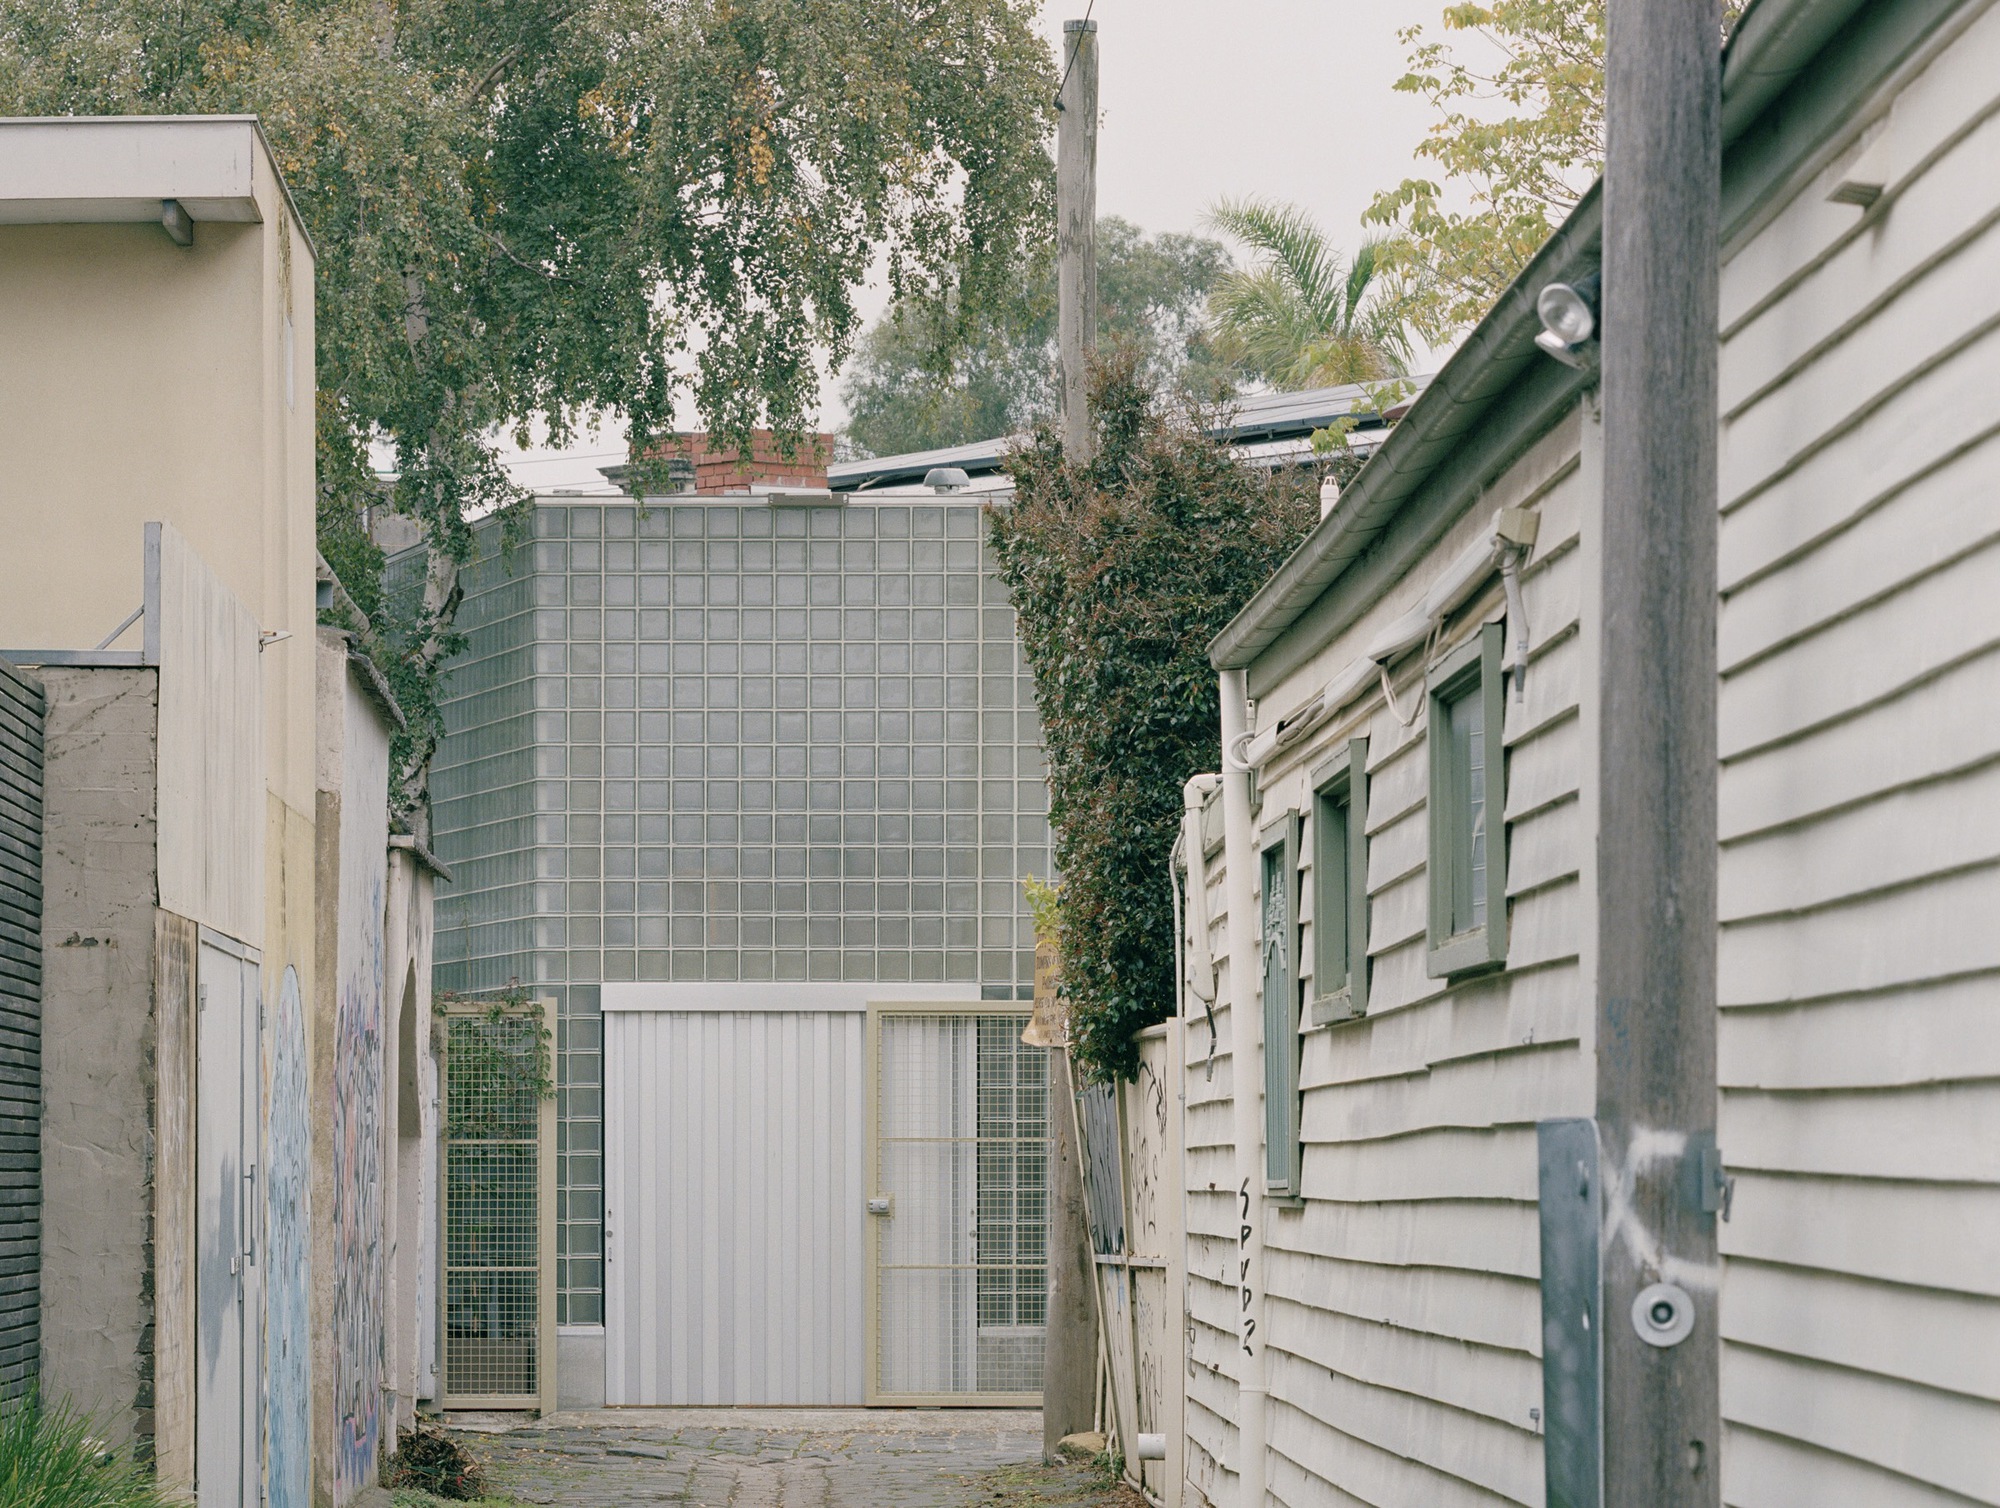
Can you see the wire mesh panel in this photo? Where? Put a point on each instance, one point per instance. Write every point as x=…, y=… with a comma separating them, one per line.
x=498, y=1165
x=961, y=1218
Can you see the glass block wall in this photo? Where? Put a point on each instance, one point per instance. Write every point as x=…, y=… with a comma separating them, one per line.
x=714, y=740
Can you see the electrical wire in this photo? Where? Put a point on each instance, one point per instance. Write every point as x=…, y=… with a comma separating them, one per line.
x=1071, y=64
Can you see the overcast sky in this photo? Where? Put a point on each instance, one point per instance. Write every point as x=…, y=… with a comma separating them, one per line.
x=1202, y=99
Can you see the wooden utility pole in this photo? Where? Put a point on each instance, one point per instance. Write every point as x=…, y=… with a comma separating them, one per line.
x=1076, y=233
x=1656, y=1087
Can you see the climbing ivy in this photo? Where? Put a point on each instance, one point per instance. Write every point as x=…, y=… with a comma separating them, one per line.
x=1122, y=572
x=499, y=1072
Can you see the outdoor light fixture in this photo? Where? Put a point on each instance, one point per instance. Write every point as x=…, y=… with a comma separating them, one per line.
x=1569, y=319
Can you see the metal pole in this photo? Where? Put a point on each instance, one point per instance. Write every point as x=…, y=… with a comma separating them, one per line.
x=1656, y=1085
x=1076, y=233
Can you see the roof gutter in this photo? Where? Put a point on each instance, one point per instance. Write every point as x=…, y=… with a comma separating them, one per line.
x=1773, y=44
x=1481, y=374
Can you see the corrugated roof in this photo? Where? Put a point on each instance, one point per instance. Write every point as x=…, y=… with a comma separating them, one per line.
x=1252, y=420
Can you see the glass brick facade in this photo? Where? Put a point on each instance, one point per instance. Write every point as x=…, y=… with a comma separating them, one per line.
x=712, y=740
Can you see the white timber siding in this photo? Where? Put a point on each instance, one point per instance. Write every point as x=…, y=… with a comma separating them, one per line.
x=1404, y=1314
x=1860, y=812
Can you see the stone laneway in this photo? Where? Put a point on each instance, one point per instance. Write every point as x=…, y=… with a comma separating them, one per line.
x=755, y=1458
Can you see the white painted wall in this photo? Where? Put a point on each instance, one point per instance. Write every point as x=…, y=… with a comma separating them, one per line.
x=1860, y=812
x=1403, y=1319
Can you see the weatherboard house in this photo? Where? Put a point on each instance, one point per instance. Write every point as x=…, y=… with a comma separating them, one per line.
x=1371, y=1114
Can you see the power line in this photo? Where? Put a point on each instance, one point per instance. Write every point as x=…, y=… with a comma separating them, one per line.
x=1072, y=54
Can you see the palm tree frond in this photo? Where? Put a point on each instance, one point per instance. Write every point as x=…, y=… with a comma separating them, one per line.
x=1302, y=316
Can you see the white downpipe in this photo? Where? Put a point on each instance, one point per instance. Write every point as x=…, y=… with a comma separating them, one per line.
x=1246, y=1072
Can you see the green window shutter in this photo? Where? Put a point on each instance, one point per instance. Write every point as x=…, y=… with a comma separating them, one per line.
x=1279, y=866
x=1468, y=803
x=1340, y=885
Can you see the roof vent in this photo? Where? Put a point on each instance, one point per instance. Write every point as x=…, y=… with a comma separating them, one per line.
x=947, y=479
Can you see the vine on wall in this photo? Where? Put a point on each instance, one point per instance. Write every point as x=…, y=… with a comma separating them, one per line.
x=1122, y=571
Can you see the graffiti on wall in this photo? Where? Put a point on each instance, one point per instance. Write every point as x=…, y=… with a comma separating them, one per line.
x=287, y=1329
x=357, y=1196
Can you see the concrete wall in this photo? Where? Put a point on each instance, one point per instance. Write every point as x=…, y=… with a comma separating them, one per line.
x=98, y=1045
x=1402, y=1324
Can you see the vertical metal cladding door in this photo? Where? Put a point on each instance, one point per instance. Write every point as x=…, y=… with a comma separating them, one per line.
x=229, y=1290
x=733, y=1206
x=958, y=1210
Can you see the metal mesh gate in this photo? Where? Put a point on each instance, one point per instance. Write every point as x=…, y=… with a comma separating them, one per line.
x=499, y=1217
x=960, y=1219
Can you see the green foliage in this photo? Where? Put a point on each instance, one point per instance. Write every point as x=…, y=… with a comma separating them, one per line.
x=1122, y=571
x=50, y=1458
x=912, y=388
x=553, y=209
x=1302, y=317
x=506, y=1067
x=1523, y=140
x=1044, y=905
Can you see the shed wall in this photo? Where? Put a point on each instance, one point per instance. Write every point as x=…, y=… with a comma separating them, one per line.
x=1860, y=813
x=22, y=707
x=1403, y=1313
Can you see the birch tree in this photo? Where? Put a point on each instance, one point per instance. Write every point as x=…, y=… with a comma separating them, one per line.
x=540, y=211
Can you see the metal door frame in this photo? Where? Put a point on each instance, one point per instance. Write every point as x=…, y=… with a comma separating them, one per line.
x=872, y=1164
x=248, y=1487
x=544, y=1399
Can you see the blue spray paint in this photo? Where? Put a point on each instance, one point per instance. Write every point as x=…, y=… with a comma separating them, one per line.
x=287, y=1279
x=358, y=1278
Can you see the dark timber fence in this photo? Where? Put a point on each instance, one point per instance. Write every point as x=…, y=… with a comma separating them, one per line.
x=21, y=714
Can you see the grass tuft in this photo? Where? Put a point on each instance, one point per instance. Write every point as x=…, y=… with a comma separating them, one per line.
x=51, y=1457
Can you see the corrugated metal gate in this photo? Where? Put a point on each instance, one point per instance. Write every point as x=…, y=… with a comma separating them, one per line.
x=734, y=1191
x=22, y=712
x=499, y=1210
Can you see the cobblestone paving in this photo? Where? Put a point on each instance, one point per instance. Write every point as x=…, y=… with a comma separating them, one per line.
x=756, y=1458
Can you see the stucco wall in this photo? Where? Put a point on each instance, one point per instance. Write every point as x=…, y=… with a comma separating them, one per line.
x=187, y=397
x=98, y=1043
x=348, y=1065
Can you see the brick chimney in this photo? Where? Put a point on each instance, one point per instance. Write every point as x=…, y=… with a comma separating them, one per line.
x=726, y=469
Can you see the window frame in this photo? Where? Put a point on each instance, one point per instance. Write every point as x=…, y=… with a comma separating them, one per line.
x=1473, y=669
x=1283, y=1152
x=1340, y=887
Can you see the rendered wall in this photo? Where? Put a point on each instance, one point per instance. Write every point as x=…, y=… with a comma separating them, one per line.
x=409, y=1143
x=98, y=1046
x=348, y=1094
x=189, y=397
